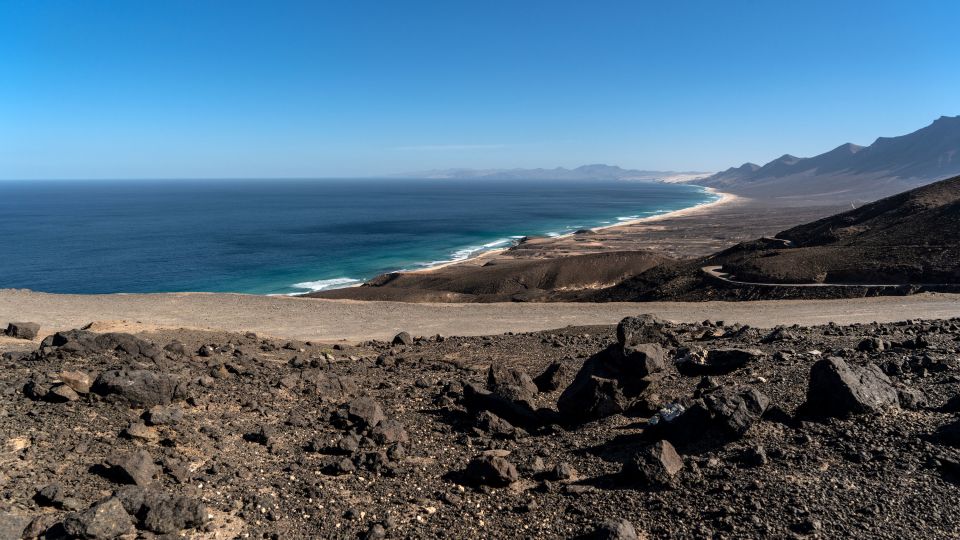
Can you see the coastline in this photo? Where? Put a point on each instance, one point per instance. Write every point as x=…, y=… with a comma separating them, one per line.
x=722, y=199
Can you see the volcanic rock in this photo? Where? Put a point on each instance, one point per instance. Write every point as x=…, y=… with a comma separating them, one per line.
x=610, y=381
x=716, y=361
x=722, y=415
x=403, y=338
x=511, y=384
x=655, y=465
x=104, y=520
x=643, y=329
x=492, y=471
x=552, y=378
x=615, y=530
x=140, y=387
x=365, y=412
x=837, y=389
x=22, y=330
x=136, y=468
x=77, y=380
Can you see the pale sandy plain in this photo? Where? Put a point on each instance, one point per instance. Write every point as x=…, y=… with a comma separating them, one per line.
x=352, y=321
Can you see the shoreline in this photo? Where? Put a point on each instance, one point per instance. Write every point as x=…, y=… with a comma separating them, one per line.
x=722, y=199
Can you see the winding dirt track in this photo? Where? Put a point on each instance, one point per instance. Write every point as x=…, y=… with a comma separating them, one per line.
x=717, y=272
x=331, y=320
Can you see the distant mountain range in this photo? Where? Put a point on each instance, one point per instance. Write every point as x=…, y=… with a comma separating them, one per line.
x=889, y=165
x=585, y=172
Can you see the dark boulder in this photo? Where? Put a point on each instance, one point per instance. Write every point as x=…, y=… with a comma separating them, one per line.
x=644, y=329
x=139, y=387
x=610, y=382
x=519, y=412
x=492, y=471
x=552, y=378
x=495, y=426
x=654, y=466
x=137, y=468
x=403, y=338
x=838, y=390
x=23, y=330
x=725, y=414
x=104, y=520
x=365, y=412
x=511, y=384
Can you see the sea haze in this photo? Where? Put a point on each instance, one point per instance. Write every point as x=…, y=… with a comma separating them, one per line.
x=286, y=236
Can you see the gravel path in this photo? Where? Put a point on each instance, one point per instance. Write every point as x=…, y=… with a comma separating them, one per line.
x=330, y=320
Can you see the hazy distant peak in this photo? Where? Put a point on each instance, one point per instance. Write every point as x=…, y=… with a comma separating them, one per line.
x=847, y=148
x=594, y=171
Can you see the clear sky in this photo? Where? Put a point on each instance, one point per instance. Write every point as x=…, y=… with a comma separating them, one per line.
x=232, y=88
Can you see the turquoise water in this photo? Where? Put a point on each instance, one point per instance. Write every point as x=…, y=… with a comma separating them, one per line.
x=287, y=236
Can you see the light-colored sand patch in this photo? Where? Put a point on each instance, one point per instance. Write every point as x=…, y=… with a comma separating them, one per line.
x=332, y=320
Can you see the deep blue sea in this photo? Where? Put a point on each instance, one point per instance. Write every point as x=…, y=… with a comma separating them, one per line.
x=286, y=236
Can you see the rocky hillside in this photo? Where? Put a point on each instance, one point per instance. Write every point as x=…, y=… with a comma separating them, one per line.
x=650, y=429
x=913, y=237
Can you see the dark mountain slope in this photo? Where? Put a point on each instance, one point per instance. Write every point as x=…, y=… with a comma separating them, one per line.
x=910, y=239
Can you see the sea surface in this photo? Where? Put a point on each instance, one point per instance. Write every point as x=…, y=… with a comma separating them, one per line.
x=286, y=236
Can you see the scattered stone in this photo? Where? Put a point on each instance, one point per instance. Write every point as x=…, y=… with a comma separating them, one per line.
x=615, y=530
x=13, y=525
x=104, y=520
x=654, y=466
x=137, y=468
x=162, y=415
x=403, y=338
x=77, y=380
x=837, y=389
x=140, y=388
x=552, y=378
x=23, y=330
x=511, y=384
x=723, y=415
x=138, y=431
x=716, y=361
x=365, y=412
x=494, y=425
x=564, y=471
x=61, y=393
x=492, y=471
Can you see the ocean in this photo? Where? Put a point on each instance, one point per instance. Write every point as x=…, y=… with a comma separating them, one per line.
x=287, y=236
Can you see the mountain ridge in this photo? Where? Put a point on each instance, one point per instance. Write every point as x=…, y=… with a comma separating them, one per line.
x=888, y=165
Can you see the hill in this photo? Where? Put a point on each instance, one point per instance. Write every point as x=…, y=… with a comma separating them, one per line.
x=911, y=239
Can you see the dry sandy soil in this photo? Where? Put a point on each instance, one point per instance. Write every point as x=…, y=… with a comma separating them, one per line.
x=332, y=320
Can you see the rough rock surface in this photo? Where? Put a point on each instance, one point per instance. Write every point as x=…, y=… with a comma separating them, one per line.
x=838, y=389
x=255, y=437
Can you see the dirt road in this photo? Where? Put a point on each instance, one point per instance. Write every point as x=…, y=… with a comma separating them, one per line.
x=329, y=320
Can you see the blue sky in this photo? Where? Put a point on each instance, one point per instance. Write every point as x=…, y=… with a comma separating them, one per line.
x=167, y=89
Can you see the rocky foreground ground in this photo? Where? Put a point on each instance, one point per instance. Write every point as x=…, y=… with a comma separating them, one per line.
x=648, y=429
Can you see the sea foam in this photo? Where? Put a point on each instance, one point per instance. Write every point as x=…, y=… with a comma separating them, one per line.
x=325, y=284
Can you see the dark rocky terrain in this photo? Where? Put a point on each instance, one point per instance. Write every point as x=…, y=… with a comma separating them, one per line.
x=649, y=429
x=910, y=239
